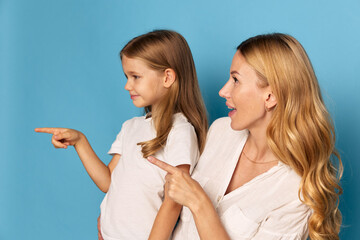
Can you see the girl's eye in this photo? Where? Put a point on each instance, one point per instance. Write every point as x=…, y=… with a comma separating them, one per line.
x=235, y=80
x=136, y=77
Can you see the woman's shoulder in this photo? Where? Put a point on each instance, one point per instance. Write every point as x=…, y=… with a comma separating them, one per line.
x=221, y=126
x=223, y=121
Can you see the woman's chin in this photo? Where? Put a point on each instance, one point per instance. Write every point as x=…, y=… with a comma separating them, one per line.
x=235, y=125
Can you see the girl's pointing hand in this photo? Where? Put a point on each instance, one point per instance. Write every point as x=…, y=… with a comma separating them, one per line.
x=62, y=137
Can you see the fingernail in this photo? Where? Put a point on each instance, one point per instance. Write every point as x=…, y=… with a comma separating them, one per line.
x=151, y=159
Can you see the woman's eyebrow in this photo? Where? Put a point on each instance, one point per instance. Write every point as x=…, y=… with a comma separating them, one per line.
x=235, y=72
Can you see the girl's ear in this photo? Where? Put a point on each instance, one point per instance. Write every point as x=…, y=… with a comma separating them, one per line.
x=170, y=77
x=270, y=101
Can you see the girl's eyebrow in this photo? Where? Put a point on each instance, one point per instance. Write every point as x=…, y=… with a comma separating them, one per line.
x=132, y=72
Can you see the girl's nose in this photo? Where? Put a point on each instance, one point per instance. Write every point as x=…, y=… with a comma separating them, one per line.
x=127, y=85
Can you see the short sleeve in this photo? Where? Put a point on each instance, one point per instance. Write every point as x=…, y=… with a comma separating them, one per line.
x=181, y=146
x=116, y=147
x=289, y=222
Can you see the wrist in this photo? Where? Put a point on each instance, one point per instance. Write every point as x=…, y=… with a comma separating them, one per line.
x=199, y=204
x=81, y=140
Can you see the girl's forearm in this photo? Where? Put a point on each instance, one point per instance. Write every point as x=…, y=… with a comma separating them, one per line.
x=96, y=169
x=207, y=220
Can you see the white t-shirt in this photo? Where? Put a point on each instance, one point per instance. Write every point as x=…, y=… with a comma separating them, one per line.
x=136, y=191
x=267, y=207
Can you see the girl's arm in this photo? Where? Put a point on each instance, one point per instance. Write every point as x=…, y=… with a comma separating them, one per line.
x=168, y=214
x=186, y=191
x=97, y=170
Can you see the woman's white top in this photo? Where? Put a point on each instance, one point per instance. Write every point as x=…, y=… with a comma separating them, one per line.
x=136, y=191
x=267, y=207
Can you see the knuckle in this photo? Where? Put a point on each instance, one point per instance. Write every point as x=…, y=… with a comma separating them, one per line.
x=172, y=187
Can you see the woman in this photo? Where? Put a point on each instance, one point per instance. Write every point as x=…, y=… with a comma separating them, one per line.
x=268, y=171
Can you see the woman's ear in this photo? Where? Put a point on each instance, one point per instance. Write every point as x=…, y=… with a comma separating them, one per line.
x=170, y=77
x=270, y=101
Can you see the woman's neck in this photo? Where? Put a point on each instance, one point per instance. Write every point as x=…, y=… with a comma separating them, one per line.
x=257, y=147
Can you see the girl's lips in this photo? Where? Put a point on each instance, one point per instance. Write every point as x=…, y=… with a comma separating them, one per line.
x=133, y=96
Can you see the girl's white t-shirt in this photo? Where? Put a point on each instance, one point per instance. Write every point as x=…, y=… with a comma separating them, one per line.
x=265, y=208
x=136, y=191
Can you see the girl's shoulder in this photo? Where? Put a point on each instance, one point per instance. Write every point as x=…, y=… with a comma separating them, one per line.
x=180, y=119
x=135, y=121
x=181, y=124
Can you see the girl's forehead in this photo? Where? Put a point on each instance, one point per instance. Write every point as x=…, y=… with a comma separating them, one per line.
x=134, y=63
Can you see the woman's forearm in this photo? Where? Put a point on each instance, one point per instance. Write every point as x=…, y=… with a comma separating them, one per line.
x=96, y=169
x=168, y=213
x=188, y=192
x=207, y=220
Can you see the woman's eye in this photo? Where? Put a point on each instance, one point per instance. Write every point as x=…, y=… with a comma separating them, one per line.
x=235, y=80
x=136, y=77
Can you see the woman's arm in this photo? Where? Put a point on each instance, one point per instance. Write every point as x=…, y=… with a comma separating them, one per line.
x=186, y=191
x=207, y=220
x=168, y=214
x=97, y=170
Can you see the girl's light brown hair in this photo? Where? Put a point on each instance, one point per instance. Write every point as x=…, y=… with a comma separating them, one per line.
x=301, y=133
x=160, y=50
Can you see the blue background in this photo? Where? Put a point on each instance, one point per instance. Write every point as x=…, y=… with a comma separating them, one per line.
x=59, y=66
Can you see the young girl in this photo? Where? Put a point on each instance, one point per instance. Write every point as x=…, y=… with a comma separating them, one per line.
x=161, y=78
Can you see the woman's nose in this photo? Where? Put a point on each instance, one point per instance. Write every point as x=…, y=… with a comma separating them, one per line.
x=224, y=91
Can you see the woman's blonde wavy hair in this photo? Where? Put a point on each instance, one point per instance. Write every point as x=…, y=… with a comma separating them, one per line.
x=300, y=133
x=161, y=50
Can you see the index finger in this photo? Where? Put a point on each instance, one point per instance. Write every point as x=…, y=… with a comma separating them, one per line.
x=46, y=130
x=163, y=165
